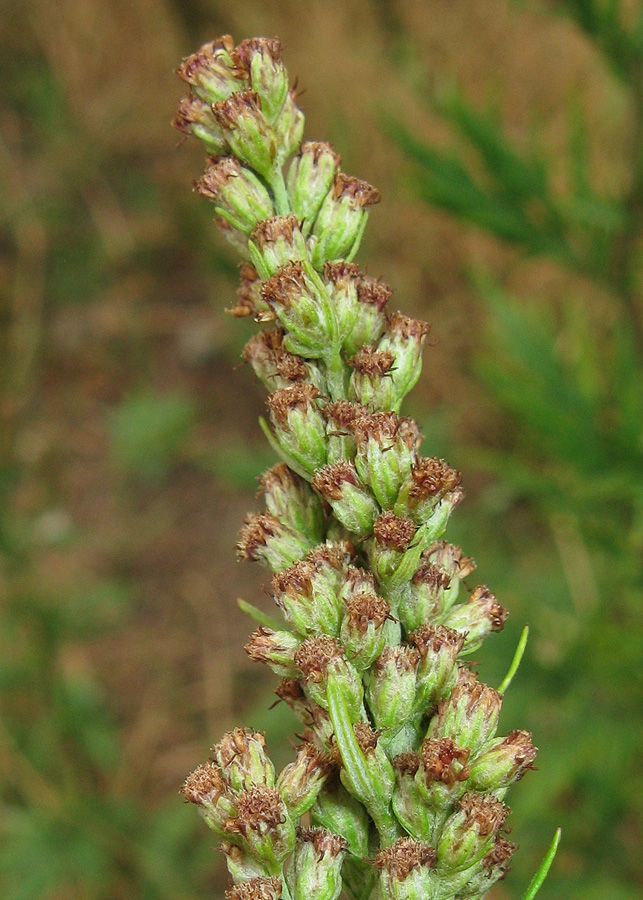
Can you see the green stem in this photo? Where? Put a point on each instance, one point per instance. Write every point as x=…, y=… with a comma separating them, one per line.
x=335, y=375
x=541, y=874
x=515, y=662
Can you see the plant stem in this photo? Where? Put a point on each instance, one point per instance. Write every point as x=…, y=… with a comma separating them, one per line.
x=278, y=187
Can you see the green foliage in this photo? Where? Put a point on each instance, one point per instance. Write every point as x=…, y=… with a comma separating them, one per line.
x=568, y=381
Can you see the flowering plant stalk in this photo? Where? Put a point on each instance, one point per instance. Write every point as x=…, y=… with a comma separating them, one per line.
x=397, y=789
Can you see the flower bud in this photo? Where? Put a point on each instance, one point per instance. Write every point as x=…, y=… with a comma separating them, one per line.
x=405, y=339
x=362, y=632
x=439, y=648
x=310, y=177
x=405, y=871
x=504, y=761
x=291, y=500
x=372, y=296
x=242, y=866
x=339, y=812
x=315, y=872
x=390, y=690
x=340, y=417
x=469, y=833
x=250, y=302
x=470, y=715
x=299, y=425
x=264, y=825
x=301, y=781
x=256, y=889
x=275, y=648
x=370, y=382
x=195, y=117
x=240, y=198
x=293, y=297
x=424, y=598
x=493, y=868
x=249, y=136
x=429, y=494
x=307, y=596
x=477, y=618
x=352, y=503
x=289, y=127
x=409, y=805
x=275, y=243
x=379, y=769
x=206, y=788
x=259, y=60
x=319, y=657
x=450, y=558
x=210, y=71
x=392, y=537
x=442, y=774
x=265, y=539
x=342, y=218
x=241, y=755
x=386, y=450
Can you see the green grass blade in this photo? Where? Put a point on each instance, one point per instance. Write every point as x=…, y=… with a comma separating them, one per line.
x=541, y=874
x=515, y=662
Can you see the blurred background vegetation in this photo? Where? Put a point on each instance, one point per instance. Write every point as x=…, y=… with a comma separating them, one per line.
x=507, y=139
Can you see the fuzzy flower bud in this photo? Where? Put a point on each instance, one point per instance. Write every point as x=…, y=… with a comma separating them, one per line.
x=370, y=382
x=504, y=761
x=442, y=774
x=477, y=618
x=406, y=871
x=299, y=425
x=341, y=280
x=409, y=804
x=470, y=715
x=451, y=559
x=439, y=648
x=469, y=833
x=247, y=131
x=341, y=417
x=392, y=537
x=206, y=788
x=315, y=873
x=241, y=865
x=265, y=539
x=259, y=60
x=256, y=889
x=301, y=781
x=275, y=243
x=316, y=659
x=425, y=597
x=310, y=177
x=342, y=219
x=291, y=500
x=372, y=297
x=289, y=127
x=390, y=692
x=307, y=595
x=494, y=868
x=249, y=297
x=275, y=366
x=241, y=755
x=239, y=197
x=210, y=71
x=275, y=648
x=404, y=338
x=362, y=632
x=386, y=451
x=294, y=298
x=263, y=824
x=194, y=116
x=429, y=494
x=339, y=812
x=352, y=503
x=316, y=719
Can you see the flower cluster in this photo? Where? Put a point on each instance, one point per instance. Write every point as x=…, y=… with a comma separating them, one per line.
x=401, y=772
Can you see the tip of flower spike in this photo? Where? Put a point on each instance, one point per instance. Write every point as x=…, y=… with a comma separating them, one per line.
x=203, y=785
x=204, y=57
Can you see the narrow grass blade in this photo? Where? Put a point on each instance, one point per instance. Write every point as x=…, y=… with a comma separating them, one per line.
x=515, y=662
x=541, y=874
x=258, y=616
